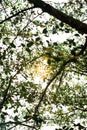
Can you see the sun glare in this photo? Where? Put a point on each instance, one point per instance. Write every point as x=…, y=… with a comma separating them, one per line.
x=42, y=70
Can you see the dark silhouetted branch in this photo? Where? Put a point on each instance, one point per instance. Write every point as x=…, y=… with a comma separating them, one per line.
x=51, y=80
x=74, y=23
x=16, y=14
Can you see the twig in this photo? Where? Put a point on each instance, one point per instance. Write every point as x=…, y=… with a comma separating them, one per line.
x=12, y=127
x=84, y=110
x=16, y=124
x=10, y=17
x=32, y=20
x=5, y=94
x=4, y=8
x=84, y=47
x=29, y=21
x=61, y=79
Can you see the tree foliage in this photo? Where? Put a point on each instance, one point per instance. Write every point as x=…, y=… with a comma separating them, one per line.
x=43, y=64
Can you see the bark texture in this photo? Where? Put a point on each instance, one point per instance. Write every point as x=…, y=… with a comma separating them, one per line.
x=74, y=23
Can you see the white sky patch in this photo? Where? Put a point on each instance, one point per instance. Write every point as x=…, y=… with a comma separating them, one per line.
x=54, y=108
x=60, y=1
x=79, y=120
x=61, y=37
x=50, y=127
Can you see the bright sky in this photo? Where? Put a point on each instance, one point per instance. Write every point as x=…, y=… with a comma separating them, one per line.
x=57, y=0
x=49, y=127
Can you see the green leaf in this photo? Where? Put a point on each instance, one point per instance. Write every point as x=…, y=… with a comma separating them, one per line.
x=23, y=89
x=16, y=118
x=38, y=39
x=77, y=35
x=23, y=45
x=30, y=44
x=61, y=24
x=28, y=50
x=12, y=45
x=2, y=116
x=45, y=31
x=49, y=61
x=55, y=44
x=0, y=1
x=26, y=117
x=36, y=23
x=57, y=59
x=67, y=30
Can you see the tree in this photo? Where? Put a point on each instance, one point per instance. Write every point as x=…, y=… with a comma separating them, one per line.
x=28, y=53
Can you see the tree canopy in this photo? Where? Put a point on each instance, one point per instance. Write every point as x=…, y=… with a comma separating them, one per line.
x=43, y=64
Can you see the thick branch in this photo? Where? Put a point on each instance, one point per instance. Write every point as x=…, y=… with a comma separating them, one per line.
x=74, y=23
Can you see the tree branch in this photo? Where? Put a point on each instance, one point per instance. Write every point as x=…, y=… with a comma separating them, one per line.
x=10, y=17
x=5, y=98
x=5, y=94
x=81, y=109
x=84, y=47
x=49, y=83
x=73, y=59
x=60, y=81
x=74, y=23
x=16, y=124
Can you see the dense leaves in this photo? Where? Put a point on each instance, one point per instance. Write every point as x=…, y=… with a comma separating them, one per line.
x=43, y=67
